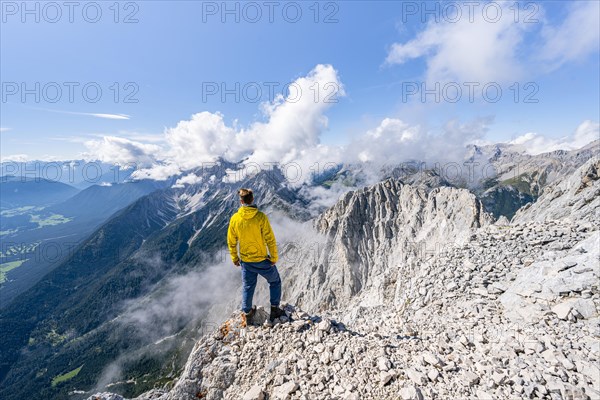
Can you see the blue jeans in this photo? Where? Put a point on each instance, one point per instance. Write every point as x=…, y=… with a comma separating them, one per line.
x=250, y=271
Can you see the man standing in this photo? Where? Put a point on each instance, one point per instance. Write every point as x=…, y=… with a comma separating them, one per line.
x=252, y=230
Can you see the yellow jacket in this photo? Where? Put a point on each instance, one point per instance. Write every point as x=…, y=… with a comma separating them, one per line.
x=252, y=230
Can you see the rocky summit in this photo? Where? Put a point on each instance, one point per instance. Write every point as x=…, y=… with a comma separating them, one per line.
x=501, y=310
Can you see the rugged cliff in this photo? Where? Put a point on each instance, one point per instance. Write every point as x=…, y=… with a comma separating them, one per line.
x=420, y=296
x=376, y=235
x=577, y=197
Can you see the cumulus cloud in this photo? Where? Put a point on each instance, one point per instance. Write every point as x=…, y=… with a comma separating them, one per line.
x=479, y=50
x=295, y=126
x=190, y=179
x=121, y=151
x=290, y=135
x=534, y=143
x=157, y=172
x=467, y=50
x=395, y=141
x=291, y=131
x=371, y=157
x=201, y=139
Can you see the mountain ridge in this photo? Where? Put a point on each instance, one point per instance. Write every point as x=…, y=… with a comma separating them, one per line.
x=454, y=328
x=380, y=235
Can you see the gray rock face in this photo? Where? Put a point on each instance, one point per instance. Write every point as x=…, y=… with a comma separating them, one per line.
x=577, y=197
x=486, y=311
x=373, y=236
x=546, y=285
x=513, y=166
x=511, y=177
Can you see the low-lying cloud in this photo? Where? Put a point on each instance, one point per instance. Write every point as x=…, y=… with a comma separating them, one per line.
x=534, y=143
x=394, y=141
x=122, y=151
x=182, y=299
x=178, y=302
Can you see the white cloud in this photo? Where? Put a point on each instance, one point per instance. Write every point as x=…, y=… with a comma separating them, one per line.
x=190, y=179
x=576, y=37
x=534, y=143
x=15, y=158
x=50, y=158
x=157, y=172
x=390, y=134
x=322, y=198
x=146, y=137
x=201, y=139
x=134, y=136
x=394, y=141
x=290, y=137
x=4, y=129
x=233, y=176
x=478, y=50
x=290, y=133
x=107, y=116
x=96, y=115
x=467, y=51
x=121, y=151
x=186, y=297
x=294, y=127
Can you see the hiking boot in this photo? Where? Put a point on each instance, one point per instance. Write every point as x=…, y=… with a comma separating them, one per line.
x=276, y=312
x=248, y=318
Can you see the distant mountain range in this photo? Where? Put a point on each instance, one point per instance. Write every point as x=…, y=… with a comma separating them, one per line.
x=520, y=178
x=18, y=192
x=42, y=222
x=77, y=173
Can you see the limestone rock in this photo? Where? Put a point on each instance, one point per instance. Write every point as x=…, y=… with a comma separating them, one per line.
x=415, y=294
x=284, y=391
x=562, y=310
x=255, y=393
x=411, y=393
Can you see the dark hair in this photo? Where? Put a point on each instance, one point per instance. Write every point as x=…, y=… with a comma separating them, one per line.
x=246, y=195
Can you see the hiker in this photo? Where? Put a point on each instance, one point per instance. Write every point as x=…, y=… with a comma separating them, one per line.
x=252, y=230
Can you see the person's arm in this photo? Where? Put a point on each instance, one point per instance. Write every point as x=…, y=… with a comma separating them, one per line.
x=232, y=241
x=269, y=237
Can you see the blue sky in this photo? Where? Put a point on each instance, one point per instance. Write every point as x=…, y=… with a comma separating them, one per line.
x=378, y=49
